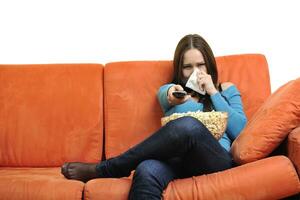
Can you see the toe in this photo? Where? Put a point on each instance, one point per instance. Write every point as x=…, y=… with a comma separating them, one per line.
x=65, y=170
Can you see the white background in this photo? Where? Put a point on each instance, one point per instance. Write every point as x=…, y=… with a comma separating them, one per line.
x=90, y=31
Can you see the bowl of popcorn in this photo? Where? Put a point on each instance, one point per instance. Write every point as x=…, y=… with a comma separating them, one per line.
x=215, y=121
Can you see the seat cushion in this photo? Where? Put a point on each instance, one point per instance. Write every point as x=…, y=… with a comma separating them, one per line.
x=38, y=183
x=254, y=181
x=269, y=178
x=107, y=188
x=50, y=114
x=132, y=111
x=270, y=125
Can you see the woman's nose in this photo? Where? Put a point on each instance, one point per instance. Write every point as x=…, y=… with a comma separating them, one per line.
x=196, y=69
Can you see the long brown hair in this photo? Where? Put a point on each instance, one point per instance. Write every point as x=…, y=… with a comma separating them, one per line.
x=195, y=41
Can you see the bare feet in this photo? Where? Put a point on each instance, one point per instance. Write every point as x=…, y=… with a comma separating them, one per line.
x=79, y=171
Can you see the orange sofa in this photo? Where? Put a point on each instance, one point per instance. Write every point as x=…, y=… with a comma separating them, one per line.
x=56, y=113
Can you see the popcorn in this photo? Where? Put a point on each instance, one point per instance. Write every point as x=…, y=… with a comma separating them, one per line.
x=215, y=122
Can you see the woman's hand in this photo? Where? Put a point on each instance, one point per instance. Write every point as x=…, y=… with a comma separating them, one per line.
x=205, y=82
x=172, y=99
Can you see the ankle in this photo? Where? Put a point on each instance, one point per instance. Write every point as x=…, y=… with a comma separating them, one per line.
x=101, y=169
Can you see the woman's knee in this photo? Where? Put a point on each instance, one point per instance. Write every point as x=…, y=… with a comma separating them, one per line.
x=151, y=177
x=154, y=169
x=189, y=126
x=148, y=168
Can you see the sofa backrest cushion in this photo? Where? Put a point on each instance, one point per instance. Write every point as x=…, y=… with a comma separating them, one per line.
x=50, y=114
x=131, y=108
x=270, y=125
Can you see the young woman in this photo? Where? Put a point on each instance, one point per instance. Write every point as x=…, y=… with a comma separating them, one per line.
x=183, y=147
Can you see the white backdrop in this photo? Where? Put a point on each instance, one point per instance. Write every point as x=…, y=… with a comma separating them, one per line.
x=96, y=31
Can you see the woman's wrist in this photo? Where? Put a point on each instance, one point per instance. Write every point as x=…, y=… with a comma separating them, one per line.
x=212, y=92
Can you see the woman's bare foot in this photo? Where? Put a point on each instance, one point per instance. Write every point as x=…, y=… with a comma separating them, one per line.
x=80, y=171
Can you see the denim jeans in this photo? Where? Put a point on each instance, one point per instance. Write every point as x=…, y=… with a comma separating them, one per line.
x=182, y=148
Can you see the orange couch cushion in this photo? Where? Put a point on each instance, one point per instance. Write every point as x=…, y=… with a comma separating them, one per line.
x=253, y=181
x=107, y=188
x=250, y=73
x=132, y=111
x=270, y=125
x=37, y=183
x=50, y=114
x=293, y=150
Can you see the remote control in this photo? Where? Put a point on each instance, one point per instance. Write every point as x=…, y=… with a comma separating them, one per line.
x=179, y=94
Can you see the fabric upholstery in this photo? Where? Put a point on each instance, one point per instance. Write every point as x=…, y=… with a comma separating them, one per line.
x=293, y=149
x=250, y=73
x=37, y=183
x=270, y=125
x=50, y=114
x=237, y=183
x=53, y=113
x=107, y=188
x=131, y=107
x=260, y=180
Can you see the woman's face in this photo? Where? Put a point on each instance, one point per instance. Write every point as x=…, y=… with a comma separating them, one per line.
x=192, y=59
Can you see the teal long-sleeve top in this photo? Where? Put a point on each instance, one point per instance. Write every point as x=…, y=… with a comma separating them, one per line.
x=228, y=100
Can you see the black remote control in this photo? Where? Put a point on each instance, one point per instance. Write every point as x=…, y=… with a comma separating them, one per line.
x=179, y=94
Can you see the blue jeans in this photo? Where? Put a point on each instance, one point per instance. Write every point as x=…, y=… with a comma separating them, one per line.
x=182, y=148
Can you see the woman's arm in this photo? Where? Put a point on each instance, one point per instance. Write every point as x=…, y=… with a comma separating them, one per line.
x=230, y=101
x=162, y=96
x=167, y=99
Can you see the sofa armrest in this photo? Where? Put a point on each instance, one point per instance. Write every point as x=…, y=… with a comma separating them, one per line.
x=293, y=147
x=270, y=178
